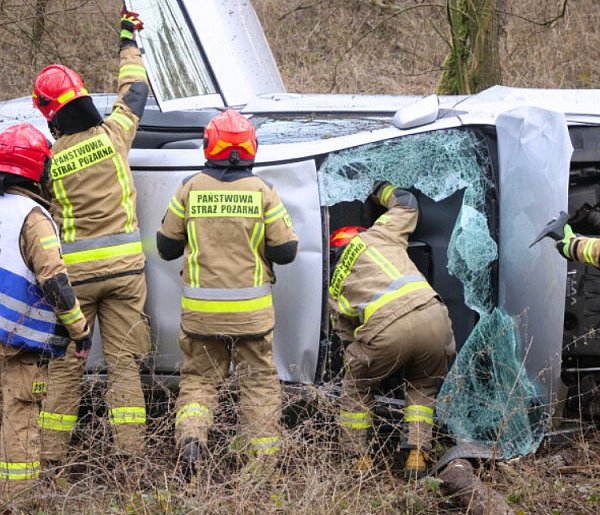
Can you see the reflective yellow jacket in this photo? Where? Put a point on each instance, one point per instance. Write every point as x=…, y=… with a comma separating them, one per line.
x=94, y=198
x=228, y=227
x=375, y=282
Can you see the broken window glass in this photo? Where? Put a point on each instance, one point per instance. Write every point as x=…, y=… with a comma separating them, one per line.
x=438, y=164
x=487, y=396
x=175, y=65
x=274, y=129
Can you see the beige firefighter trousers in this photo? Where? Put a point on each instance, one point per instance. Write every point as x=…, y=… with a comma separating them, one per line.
x=118, y=304
x=423, y=343
x=23, y=384
x=206, y=363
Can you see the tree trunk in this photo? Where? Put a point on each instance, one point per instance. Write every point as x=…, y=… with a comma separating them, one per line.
x=39, y=25
x=473, y=61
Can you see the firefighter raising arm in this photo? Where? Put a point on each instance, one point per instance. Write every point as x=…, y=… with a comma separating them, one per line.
x=133, y=83
x=401, y=218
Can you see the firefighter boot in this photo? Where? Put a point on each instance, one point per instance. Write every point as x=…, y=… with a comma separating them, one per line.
x=191, y=455
x=363, y=465
x=415, y=465
x=262, y=468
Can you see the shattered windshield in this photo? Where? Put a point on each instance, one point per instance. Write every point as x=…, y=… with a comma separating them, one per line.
x=438, y=164
x=308, y=127
x=487, y=396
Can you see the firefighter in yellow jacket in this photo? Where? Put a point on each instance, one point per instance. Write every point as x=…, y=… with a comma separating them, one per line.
x=582, y=249
x=39, y=313
x=390, y=316
x=94, y=203
x=230, y=227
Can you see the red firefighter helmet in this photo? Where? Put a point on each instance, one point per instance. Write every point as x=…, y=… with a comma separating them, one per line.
x=24, y=151
x=230, y=140
x=55, y=87
x=342, y=236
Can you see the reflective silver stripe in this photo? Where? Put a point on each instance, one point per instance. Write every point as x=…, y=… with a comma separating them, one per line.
x=32, y=312
x=226, y=293
x=26, y=332
x=31, y=334
x=101, y=242
x=393, y=286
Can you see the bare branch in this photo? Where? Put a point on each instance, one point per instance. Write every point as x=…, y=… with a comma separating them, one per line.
x=300, y=7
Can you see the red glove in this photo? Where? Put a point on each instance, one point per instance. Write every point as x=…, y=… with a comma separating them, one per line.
x=130, y=21
x=82, y=347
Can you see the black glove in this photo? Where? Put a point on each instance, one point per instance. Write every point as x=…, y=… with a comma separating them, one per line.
x=83, y=346
x=130, y=21
x=563, y=246
x=586, y=220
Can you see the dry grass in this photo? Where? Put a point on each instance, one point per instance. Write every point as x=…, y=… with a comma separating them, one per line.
x=563, y=477
x=350, y=46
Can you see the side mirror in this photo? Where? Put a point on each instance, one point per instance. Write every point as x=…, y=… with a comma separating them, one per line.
x=422, y=112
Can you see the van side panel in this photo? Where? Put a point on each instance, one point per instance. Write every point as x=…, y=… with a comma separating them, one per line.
x=297, y=294
x=534, y=152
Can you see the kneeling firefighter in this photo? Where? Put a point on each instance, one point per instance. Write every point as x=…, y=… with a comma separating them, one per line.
x=39, y=313
x=390, y=317
x=231, y=227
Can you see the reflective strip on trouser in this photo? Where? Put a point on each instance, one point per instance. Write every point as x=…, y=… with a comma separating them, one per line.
x=265, y=445
x=19, y=471
x=193, y=409
x=355, y=419
x=418, y=413
x=127, y=415
x=104, y=247
x=57, y=421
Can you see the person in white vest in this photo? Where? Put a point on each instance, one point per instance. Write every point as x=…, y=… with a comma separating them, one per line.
x=39, y=313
